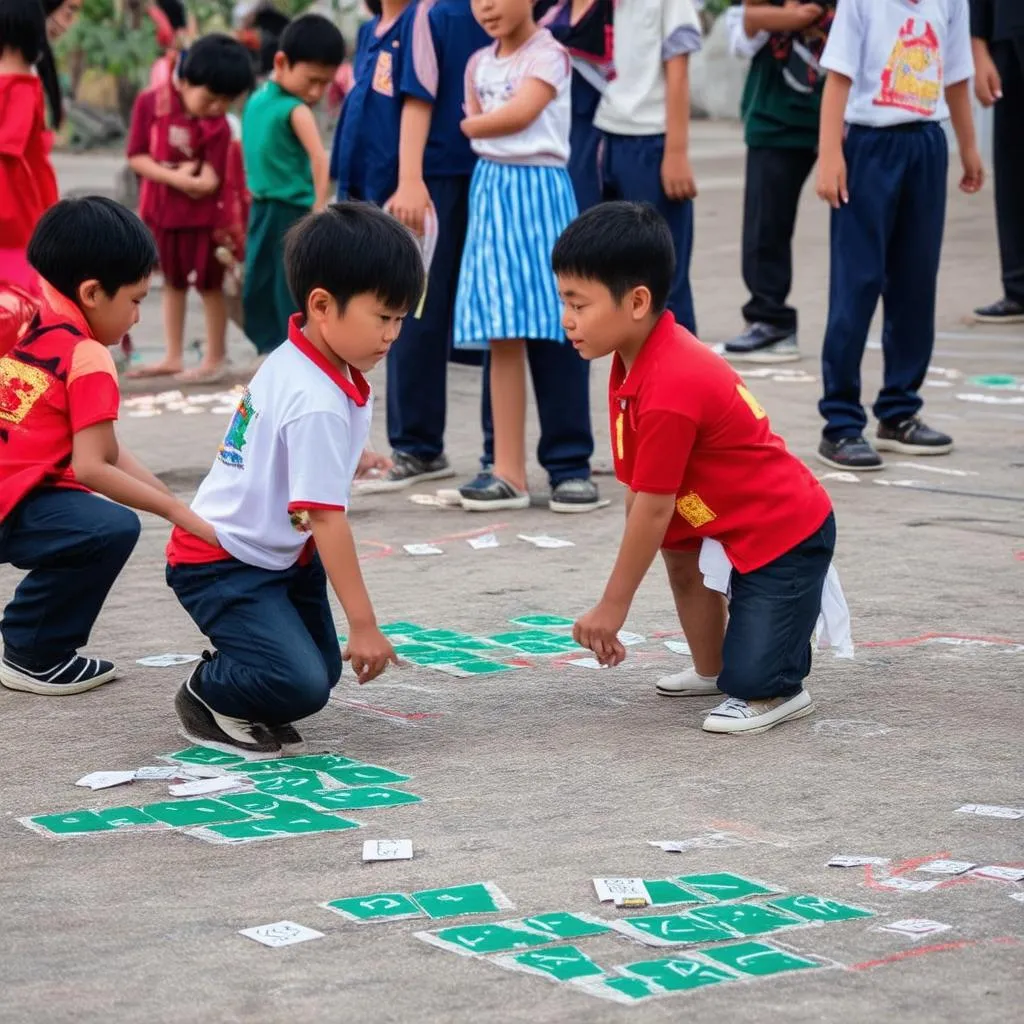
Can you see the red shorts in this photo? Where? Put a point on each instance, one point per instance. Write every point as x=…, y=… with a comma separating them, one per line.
x=187, y=258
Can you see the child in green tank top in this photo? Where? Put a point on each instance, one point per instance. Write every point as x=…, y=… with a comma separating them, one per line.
x=286, y=168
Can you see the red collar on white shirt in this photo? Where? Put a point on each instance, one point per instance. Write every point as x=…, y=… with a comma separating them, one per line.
x=358, y=388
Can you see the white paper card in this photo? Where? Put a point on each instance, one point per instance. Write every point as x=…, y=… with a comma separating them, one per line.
x=846, y=861
x=908, y=885
x=541, y=540
x=159, y=773
x=999, y=873
x=678, y=647
x=200, y=786
x=104, y=780
x=281, y=933
x=422, y=549
x=990, y=811
x=487, y=540
x=1018, y=896
x=947, y=867
x=628, y=639
x=915, y=927
x=166, y=660
x=708, y=841
x=610, y=889
x=584, y=663
x=387, y=849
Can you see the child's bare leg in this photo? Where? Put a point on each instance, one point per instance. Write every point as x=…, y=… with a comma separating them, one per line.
x=508, y=408
x=174, y=336
x=702, y=612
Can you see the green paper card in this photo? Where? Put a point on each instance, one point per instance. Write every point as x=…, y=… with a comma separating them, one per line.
x=477, y=667
x=278, y=766
x=622, y=990
x=440, y=636
x=664, y=893
x=441, y=656
x=127, y=817
x=400, y=629
x=816, y=908
x=297, y=783
x=381, y=906
x=679, y=974
x=268, y=806
x=204, y=755
x=478, y=898
x=411, y=651
x=746, y=919
x=485, y=938
x=317, y=762
x=565, y=925
x=471, y=643
x=73, y=823
x=521, y=636
x=361, y=796
x=549, y=646
x=310, y=823
x=185, y=813
x=542, y=620
x=562, y=963
x=725, y=886
x=672, y=930
x=758, y=959
x=366, y=775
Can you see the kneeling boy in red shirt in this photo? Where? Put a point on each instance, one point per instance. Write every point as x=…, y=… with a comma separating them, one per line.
x=700, y=460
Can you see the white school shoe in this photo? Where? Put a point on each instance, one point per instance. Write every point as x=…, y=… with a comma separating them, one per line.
x=687, y=684
x=754, y=716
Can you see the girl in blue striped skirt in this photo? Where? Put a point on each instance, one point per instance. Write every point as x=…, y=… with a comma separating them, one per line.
x=520, y=200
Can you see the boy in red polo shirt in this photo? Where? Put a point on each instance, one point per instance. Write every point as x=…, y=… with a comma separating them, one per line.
x=700, y=460
x=58, y=403
x=178, y=144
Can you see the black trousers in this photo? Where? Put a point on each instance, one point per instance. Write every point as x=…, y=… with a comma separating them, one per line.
x=1008, y=160
x=774, y=180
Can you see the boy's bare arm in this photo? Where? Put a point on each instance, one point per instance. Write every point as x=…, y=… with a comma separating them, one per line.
x=368, y=649
x=184, y=177
x=411, y=199
x=958, y=97
x=306, y=131
x=127, y=463
x=517, y=114
x=646, y=523
x=760, y=16
x=94, y=459
x=831, y=162
x=988, y=86
x=676, y=173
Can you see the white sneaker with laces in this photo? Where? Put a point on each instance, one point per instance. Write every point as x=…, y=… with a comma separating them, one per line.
x=687, y=684
x=754, y=716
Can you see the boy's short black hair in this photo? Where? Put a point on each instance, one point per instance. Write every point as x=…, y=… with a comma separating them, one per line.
x=91, y=238
x=312, y=39
x=621, y=245
x=353, y=249
x=220, y=63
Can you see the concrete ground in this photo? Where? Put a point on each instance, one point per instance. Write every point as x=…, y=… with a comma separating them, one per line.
x=541, y=779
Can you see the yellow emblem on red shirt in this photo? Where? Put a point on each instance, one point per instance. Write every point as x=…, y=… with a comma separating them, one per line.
x=753, y=404
x=21, y=386
x=620, y=450
x=692, y=508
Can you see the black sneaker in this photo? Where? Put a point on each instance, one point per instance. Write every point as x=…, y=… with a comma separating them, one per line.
x=851, y=453
x=406, y=471
x=201, y=725
x=76, y=675
x=575, y=496
x=494, y=494
x=762, y=343
x=1005, y=311
x=912, y=437
x=290, y=739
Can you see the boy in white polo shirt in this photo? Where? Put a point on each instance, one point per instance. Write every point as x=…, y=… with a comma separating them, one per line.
x=277, y=493
x=896, y=69
x=644, y=114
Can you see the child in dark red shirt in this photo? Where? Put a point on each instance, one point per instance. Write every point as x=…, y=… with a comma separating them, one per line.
x=58, y=403
x=701, y=461
x=178, y=143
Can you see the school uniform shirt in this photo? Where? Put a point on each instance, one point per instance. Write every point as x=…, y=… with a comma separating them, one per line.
x=293, y=444
x=901, y=55
x=492, y=81
x=55, y=381
x=277, y=165
x=28, y=186
x=684, y=423
x=644, y=31
x=444, y=36
x=364, y=156
x=163, y=129
x=589, y=41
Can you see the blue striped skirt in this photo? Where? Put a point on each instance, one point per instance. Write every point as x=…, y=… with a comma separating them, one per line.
x=506, y=286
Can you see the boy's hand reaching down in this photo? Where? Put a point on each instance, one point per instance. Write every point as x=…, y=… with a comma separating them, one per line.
x=598, y=631
x=372, y=464
x=974, y=171
x=832, y=180
x=369, y=651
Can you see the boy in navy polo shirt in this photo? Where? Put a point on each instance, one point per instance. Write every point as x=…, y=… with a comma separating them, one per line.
x=897, y=68
x=701, y=461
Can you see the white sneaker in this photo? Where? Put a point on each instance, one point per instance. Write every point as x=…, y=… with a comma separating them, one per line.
x=687, y=684
x=735, y=715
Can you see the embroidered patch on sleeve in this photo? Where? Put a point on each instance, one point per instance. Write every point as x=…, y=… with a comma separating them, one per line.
x=752, y=403
x=230, y=451
x=21, y=386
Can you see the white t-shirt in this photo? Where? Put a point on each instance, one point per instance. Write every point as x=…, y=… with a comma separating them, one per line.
x=646, y=34
x=491, y=81
x=901, y=55
x=293, y=444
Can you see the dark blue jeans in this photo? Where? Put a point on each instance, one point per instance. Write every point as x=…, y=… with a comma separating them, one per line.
x=885, y=243
x=277, y=648
x=772, y=614
x=74, y=545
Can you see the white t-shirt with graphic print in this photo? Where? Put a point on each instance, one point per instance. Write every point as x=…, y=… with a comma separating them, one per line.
x=901, y=55
x=492, y=81
x=293, y=445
